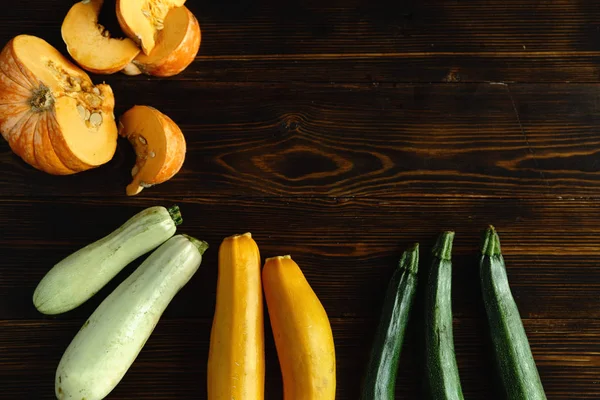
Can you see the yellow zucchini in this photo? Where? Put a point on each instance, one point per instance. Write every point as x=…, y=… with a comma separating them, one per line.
x=236, y=364
x=302, y=332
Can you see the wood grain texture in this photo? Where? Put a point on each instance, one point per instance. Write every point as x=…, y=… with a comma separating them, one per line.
x=348, y=248
x=362, y=26
x=355, y=140
x=376, y=69
x=342, y=131
x=177, y=352
x=373, y=41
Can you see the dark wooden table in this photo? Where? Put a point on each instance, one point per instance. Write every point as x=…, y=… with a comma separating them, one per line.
x=341, y=131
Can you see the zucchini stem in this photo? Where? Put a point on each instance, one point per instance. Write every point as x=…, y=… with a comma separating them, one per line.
x=443, y=246
x=490, y=244
x=410, y=259
x=175, y=214
x=201, y=245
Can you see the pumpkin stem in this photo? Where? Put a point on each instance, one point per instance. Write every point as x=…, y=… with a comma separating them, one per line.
x=42, y=99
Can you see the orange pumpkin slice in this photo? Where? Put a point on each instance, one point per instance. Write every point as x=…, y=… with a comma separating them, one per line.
x=90, y=44
x=141, y=20
x=159, y=146
x=51, y=113
x=176, y=46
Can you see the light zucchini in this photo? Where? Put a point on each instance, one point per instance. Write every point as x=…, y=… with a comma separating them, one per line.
x=81, y=275
x=110, y=340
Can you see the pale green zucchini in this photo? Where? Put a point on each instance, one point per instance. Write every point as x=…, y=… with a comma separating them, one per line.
x=110, y=340
x=81, y=275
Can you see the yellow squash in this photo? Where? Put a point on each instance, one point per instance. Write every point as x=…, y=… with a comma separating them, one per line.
x=302, y=332
x=236, y=362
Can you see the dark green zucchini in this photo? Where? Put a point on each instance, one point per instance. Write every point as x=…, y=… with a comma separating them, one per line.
x=380, y=377
x=518, y=372
x=442, y=379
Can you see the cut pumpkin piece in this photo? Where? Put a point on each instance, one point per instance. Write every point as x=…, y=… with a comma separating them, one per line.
x=159, y=146
x=51, y=113
x=90, y=44
x=176, y=46
x=141, y=20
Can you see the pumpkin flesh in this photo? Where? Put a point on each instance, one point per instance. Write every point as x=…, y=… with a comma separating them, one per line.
x=51, y=113
x=176, y=46
x=141, y=20
x=90, y=44
x=158, y=143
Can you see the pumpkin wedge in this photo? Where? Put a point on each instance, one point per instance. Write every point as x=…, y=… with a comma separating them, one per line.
x=90, y=44
x=141, y=20
x=51, y=113
x=236, y=363
x=159, y=146
x=176, y=46
x=302, y=332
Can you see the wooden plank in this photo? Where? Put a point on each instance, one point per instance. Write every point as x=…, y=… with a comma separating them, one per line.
x=363, y=26
x=244, y=27
x=356, y=140
x=173, y=362
x=347, y=248
x=452, y=67
x=372, y=41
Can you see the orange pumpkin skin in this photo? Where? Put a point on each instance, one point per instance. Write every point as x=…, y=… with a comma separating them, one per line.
x=179, y=57
x=28, y=119
x=159, y=145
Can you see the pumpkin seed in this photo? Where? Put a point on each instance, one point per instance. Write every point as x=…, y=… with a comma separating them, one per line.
x=93, y=100
x=142, y=140
x=96, y=119
x=81, y=110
